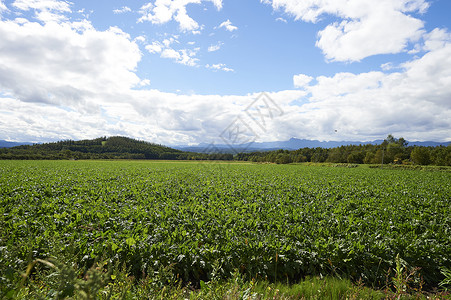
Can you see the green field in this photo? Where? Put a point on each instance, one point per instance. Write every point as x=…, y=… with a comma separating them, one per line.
x=202, y=221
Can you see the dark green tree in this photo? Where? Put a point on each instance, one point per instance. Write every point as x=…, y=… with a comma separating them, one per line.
x=421, y=156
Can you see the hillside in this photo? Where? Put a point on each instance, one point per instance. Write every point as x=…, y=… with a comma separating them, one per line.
x=100, y=148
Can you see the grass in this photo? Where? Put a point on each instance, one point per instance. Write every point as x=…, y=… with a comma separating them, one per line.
x=62, y=281
x=113, y=282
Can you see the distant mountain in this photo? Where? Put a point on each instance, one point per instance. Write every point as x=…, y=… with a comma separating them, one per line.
x=6, y=144
x=428, y=144
x=291, y=144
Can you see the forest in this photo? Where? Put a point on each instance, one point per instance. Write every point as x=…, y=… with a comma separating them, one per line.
x=115, y=147
x=391, y=151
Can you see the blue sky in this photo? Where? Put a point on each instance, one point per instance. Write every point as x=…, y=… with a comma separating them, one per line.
x=182, y=71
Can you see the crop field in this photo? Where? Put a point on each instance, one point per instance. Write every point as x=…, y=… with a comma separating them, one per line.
x=200, y=220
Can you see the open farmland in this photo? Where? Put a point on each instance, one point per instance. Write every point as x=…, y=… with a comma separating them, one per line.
x=201, y=220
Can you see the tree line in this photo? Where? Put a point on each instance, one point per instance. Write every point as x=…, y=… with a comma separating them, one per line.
x=115, y=147
x=390, y=151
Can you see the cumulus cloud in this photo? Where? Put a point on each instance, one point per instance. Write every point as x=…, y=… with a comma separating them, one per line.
x=69, y=80
x=122, y=10
x=163, y=11
x=37, y=122
x=387, y=66
x=183, y=56
x=55, y=5
x=3, y=7
x=301, y=80
x=367, y=27
x=413, y=102
x=45, y=11
x=171, y=40
x=437, y=38
x=78, y=99
x=228, y=26
x=65, y=62
x=155, y=47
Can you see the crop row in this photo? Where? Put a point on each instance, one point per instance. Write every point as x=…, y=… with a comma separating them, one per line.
x=280, y=222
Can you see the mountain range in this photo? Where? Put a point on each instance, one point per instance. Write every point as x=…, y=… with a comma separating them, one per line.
x=291, y=144
x=6, y=144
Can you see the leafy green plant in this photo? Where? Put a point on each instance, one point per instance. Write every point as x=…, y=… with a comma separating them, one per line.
x=445, y=283
x=182, y=224
x=63, y=280
x=406, y=281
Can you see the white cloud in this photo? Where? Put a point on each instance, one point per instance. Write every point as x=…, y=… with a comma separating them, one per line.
x=228, y=26
x=213, y=48
x=3, y=6
x=56, y=5
x=65, y=63
x=182, y=56
x=47, y=10
x=368, y=27
x=37, y=122
x=217, y=3
x=168, y=41
x=186, y=22
x=140, y=39
x=413, y=102
x=155, y=47
x=216, y=47
x=170, y=53
x=144, y=82
x=301, y=80
x=122, y=10
x=387, y=66
x=282, y=20
x=69, y=80
x=163, y=11
x=217, y=67
x=436, y=39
